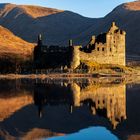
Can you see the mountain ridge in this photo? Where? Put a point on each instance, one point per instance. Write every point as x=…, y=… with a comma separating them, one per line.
x=134, y=6
x=31, y=10
x=58, y=28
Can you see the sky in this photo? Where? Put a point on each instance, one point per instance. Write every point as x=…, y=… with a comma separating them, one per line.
x=88, y=8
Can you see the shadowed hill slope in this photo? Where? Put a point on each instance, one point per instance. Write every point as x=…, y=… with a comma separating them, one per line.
x=57, y=26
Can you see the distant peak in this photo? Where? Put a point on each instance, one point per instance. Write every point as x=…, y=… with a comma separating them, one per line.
x=134, y=6
x=2, y=5
x=38, y=11
x=32, y=10
x=5, y=4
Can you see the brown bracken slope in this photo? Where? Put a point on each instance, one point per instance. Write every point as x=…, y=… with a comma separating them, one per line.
x=33, y=11
x=11, y=44
x=134, y=6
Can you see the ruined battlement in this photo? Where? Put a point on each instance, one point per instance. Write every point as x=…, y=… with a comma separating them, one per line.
x=106, y=48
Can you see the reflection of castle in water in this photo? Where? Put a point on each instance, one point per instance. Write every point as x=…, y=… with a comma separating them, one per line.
x=108, y=100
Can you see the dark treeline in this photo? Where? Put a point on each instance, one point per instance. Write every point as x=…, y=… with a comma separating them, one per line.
x=17, y=65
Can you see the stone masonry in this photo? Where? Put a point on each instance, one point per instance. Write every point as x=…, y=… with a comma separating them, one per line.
x=106, y=48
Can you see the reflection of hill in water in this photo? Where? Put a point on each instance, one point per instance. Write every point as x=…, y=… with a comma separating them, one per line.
x=9, y=106
x=65, y=106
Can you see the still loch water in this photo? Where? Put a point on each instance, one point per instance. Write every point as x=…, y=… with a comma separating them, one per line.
x=64, y=109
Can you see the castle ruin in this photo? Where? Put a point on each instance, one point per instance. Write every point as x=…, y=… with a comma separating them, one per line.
x=106, y=48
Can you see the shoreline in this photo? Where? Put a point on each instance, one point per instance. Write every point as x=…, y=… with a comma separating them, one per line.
x=130, y=78
x=59, y=75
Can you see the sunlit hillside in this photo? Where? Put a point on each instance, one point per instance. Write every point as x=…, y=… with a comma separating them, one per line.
x=13, y=45
x=33, y=11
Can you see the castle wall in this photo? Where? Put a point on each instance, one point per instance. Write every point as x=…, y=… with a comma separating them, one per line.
x=112, y=51
x=106, y=48
x=103, y=58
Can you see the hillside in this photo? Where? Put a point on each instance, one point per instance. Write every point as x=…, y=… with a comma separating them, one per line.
x=134, y=6
x=33, y=11
x=36, y=11
x=58, y=26
x=13, y=45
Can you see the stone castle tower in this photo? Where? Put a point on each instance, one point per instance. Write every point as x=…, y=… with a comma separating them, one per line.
x=106, y=48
